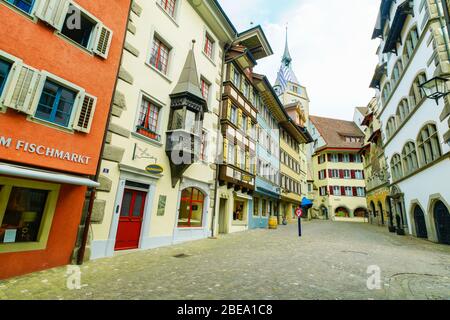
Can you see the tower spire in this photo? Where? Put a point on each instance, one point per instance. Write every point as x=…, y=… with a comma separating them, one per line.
x=287, y=59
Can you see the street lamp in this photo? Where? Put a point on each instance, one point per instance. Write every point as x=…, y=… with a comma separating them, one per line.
x=435, y=88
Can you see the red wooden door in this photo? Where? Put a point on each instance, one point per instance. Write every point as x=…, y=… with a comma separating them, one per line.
x=130, y=221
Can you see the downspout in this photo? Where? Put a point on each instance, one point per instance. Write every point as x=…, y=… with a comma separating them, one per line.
x=87, y=222
x=216, y=191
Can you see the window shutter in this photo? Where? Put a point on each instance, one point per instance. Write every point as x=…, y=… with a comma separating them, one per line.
x=229, y=110
x=225, y=150
x=340, y=156
x=247, y=161
x=240, y=118
x=85, y=113
x=251, y=95
x=249, y=125
x=331, y=191
x=330, y=173
x=329, y=157
x=231, y=68
x=53, y=12
x=355, y=193
x=363, y=174
x=103, y=41
x=325, y=173
x=24, y=89
x=353, y=174
x=352, y=158
x=341, y=174
x=342, y=191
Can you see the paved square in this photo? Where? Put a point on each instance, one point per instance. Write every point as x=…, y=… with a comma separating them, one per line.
x=329, y=262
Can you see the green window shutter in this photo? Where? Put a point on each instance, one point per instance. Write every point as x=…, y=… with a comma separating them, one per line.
x=85, y=113
x=53, y=12
x=231, y=68
x=24, y=89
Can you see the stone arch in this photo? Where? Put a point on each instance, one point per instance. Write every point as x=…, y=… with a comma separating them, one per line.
x=342, y=210
x=360, y=212
x=433, y=200
x=419, y=225
x=380, y=207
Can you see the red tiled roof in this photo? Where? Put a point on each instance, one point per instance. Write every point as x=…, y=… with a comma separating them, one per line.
x=335, y=131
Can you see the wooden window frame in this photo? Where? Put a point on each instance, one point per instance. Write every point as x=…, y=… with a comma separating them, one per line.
x=47, y=216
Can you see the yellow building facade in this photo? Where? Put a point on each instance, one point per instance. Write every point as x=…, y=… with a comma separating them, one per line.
x=375, y=169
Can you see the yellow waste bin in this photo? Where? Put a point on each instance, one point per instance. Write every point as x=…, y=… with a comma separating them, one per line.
x=273, y=222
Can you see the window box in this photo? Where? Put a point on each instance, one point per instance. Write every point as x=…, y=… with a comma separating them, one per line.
x=148, y=133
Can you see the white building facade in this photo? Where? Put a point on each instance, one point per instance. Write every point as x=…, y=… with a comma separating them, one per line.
x=414, y=48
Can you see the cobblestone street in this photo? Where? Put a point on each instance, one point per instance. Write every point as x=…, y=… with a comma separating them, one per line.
x=329, y=262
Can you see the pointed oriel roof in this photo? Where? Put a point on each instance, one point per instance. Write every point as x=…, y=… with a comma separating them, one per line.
x=189, y=80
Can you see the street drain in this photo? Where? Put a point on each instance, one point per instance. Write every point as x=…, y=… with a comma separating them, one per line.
x=181, y=255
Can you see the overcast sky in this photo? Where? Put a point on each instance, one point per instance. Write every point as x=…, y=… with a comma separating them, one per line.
x=330, y=43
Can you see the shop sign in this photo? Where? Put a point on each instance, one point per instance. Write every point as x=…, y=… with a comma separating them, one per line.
x=42, y=150
x=154, y=169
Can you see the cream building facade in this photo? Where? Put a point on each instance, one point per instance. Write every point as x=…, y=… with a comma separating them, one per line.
x=338, y=169
x=169, y=84
x=414, y=48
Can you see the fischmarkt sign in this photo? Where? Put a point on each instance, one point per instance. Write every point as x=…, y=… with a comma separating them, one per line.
x=42, y=150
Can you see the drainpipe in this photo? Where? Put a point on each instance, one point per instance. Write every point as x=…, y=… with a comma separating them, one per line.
x=216, y=191
x=92, y=191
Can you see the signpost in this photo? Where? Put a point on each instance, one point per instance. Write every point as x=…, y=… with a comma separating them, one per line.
x=299, y=213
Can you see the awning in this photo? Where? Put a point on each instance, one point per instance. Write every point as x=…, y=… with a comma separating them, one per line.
x=28, y=173
x=380, y=70
x=394, y=35
x=383, y=16
x=306, y=202
x=374, y=136
x=367, y=119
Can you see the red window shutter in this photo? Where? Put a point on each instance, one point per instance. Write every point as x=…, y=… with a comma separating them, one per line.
x=352, y=158
x=329, y=157
x=325, y=173
x=330, y=173
x=340, y=157
x=353, y=174
x=331, y=190
x=342, y=191
x=363, y=174
x=354, y=192
x=341, y=174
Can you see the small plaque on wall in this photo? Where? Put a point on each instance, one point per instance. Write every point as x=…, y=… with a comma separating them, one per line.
x=161, y=205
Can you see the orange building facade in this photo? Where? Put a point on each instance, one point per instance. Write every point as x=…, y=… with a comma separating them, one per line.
x=58, y=67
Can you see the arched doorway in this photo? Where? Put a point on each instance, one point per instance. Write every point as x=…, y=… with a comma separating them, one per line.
x=419, y=220
x=373, y=211
x=191, y=208
x=380, y=207
x=324, y=212
x=360, y=213
x=342, y=212
x=442, y=221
